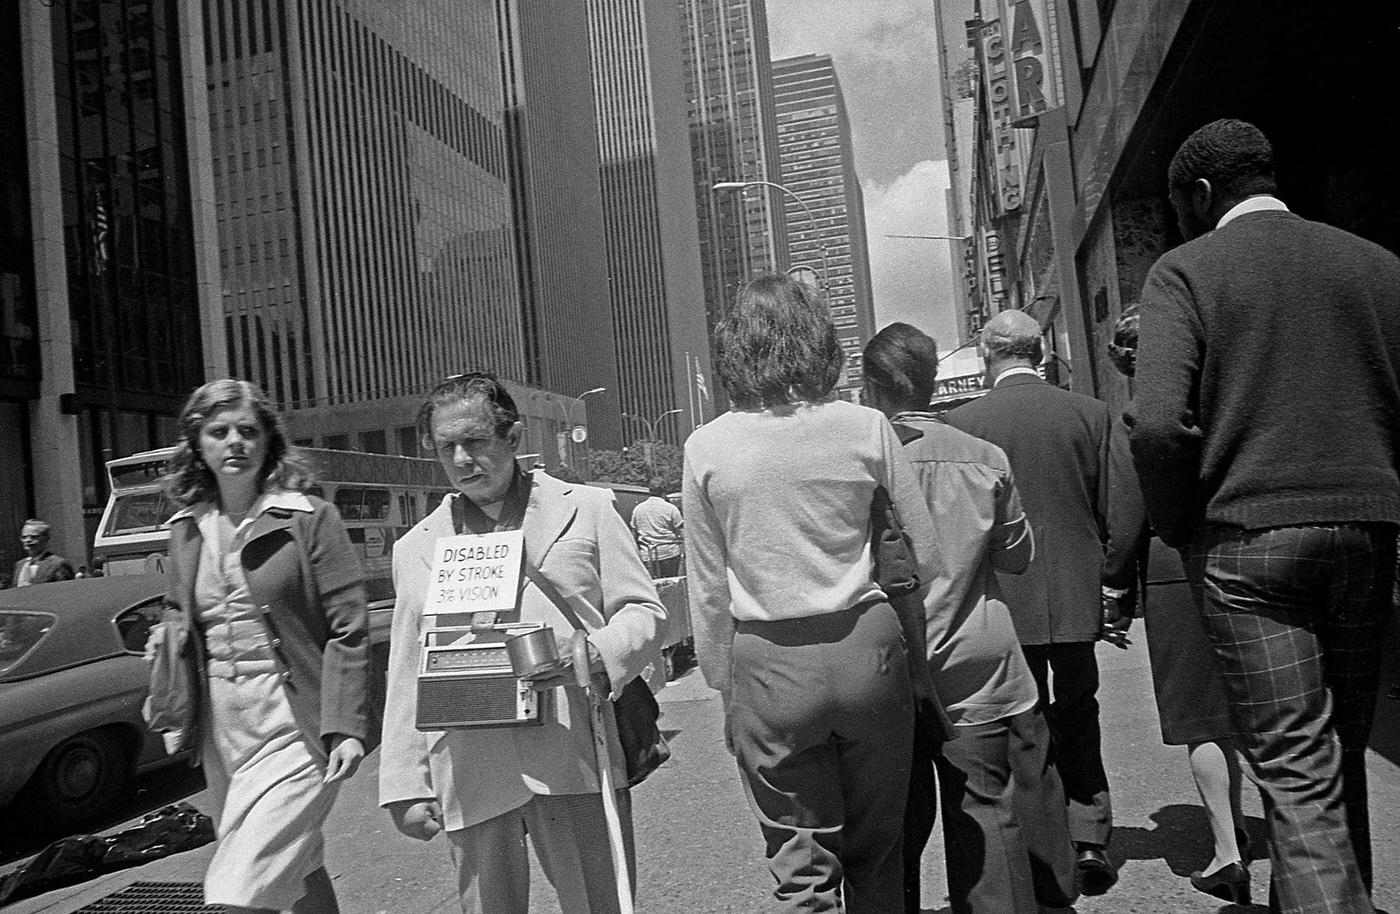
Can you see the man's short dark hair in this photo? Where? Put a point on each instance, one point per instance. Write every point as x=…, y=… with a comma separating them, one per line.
x=656, y=485
x=1233, y=155
x=902, y=361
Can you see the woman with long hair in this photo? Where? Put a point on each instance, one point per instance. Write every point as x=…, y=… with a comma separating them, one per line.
x=790, y=624
x=268, y=584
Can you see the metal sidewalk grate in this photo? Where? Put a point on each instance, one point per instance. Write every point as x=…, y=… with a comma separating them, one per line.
x=154, y=898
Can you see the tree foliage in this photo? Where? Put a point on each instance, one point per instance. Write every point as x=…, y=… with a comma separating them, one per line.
x=629, y=466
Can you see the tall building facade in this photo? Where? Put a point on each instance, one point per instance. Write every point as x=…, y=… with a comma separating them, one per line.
x=1068, y=204
x=553, y=141
x=733, y=137
x=106, y=293
x=818, y=166
x=653, y=247
x=373, y=222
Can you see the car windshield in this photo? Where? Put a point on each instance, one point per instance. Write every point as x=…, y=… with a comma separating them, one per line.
x=139, y=512
x=19, y=632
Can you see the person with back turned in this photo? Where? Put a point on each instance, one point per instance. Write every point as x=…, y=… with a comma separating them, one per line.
x=1058, y=444
x=1006, y=838
x=1265, y=431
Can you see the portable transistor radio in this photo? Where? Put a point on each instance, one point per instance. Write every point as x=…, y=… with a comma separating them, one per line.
x=466, y=680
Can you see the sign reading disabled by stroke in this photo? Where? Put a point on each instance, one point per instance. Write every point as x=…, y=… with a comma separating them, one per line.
x=475, y=573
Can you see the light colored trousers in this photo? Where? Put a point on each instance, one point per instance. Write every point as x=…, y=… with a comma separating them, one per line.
x=570, y=837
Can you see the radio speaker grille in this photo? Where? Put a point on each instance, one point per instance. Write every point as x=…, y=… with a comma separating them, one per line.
x=476, y=701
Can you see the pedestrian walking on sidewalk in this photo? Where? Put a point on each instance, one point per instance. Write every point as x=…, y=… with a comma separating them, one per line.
x=491, y=788
x=790, y=625
x=267, y=583
x=1186, y=680
x=1264, y=433
x=1058, y=444
x=1006, y=838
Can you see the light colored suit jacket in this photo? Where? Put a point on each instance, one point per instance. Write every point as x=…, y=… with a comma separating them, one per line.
x=580, y=543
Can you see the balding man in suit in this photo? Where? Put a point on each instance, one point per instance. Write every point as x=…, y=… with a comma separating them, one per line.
x=39, y=565
x=1058, y=444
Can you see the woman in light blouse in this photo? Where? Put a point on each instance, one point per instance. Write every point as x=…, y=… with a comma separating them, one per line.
x=790, y=625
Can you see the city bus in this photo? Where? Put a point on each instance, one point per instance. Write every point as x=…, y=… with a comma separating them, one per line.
x=378, y=496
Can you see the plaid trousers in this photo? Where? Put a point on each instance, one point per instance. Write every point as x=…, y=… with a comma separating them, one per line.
x=1297, y=616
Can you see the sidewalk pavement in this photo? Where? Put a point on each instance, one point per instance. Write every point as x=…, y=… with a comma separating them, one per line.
x=699, y=851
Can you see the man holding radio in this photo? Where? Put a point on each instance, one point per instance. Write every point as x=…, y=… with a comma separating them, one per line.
x=490, y=787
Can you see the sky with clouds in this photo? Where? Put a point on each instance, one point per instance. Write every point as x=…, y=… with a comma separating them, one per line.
x=886, y=56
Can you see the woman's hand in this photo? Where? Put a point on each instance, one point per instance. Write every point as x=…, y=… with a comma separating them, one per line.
x=153, y=638
x=345, y=756
x=417, y=819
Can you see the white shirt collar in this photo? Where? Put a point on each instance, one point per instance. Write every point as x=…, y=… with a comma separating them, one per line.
x=279, y=498
x=1015, y=370
x=1260, y=203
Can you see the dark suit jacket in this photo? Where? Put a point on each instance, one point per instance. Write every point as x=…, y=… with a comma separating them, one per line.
x=1058, y=443
x=51, y=568
x=307, y=582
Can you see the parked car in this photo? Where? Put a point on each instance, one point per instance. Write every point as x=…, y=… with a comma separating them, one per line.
x=72, y=680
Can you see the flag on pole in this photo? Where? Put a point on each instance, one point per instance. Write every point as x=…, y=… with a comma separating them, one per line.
x=700, y=382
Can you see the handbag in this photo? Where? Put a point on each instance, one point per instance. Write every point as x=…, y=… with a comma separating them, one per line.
x=635, y=710
x=172, y=703
x=897, y=573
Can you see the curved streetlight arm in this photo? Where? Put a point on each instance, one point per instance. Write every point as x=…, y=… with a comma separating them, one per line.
x=811, y=216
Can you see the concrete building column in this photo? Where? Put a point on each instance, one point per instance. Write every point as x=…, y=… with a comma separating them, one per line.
x=1066, y=231
x=203, y=210
x=57, y=473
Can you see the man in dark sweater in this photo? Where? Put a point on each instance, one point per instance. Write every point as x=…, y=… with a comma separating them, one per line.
x=1265, y=433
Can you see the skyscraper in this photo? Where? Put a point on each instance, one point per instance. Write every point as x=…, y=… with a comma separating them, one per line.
x=733, y=137
x=553, y=143
x=106, y=296
x=818, y=166
x=653, y=248
x=388, y=213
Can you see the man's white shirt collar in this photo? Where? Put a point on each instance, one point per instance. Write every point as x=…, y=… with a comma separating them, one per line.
x=1262, y=203
x=1014, y=370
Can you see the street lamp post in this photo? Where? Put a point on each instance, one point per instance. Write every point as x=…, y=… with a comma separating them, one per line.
x=742, y=186
x=567, y=434
x=649, y=443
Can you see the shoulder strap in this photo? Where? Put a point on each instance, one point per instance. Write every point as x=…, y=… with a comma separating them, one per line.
x=552, y=593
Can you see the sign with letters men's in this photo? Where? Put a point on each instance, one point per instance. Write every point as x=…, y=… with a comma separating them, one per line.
x=475, y=573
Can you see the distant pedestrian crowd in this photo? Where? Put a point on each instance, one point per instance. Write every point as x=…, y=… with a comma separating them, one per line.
x=900, y=610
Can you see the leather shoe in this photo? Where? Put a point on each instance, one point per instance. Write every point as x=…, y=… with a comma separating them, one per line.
x=1229, y=883
x=1096, y=873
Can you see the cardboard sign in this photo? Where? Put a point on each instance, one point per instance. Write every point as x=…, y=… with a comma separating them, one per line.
x=475, y=573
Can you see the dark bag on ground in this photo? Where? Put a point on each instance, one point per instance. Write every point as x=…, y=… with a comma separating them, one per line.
x=635, y=709
x=70, y=861
x=897, y=573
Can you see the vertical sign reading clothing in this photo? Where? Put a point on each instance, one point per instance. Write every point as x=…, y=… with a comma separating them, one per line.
x=996, y=77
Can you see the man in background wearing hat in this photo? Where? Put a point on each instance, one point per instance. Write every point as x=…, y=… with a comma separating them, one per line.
x=1058, y=445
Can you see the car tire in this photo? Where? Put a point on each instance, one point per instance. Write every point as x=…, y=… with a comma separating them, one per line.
x=82, y=777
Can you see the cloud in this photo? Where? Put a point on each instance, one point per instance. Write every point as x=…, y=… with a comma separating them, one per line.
x=912, y=277
x=886, y=56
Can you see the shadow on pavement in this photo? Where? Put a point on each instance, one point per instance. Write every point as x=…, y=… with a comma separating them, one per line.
x=150, y=791
x=1181, y=838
